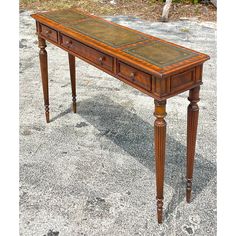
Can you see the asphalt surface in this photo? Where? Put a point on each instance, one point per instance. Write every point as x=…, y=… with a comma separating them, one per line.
x=92, y=173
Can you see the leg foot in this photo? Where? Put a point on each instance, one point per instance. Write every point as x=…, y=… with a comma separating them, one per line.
x=159, y=210
x=188, y=190
x=47, y=113
x=74, y=104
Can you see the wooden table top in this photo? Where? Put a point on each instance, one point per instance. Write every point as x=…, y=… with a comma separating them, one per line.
x=154, y=54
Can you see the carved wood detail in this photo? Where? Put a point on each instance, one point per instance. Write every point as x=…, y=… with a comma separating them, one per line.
x=44, y=74
x=73, y=79
x=192, y=122
x=160, y=142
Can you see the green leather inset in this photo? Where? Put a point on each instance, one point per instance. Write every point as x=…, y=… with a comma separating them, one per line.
x=110, y=34
x=159, y=53
x=64, y=16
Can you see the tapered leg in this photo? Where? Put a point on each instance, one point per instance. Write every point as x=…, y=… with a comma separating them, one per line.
x=192, y=122
x=72, y=78
x=44, y=74
x=160, y=143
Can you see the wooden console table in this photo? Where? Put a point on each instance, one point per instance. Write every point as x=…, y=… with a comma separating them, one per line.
x=155, y=67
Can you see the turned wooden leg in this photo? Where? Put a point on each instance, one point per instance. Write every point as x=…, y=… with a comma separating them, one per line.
x=44, y=74
x=192, y=122
x=72, y=78
x=160, y=142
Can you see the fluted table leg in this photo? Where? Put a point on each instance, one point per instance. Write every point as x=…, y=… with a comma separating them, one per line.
x=192, y=122
x=73, y=80
x=160, y=143
x=44, y=74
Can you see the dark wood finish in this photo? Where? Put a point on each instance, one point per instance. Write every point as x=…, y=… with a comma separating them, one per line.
x=73, y=80
x=48, y=33
x=160, y=145
x=67, y=29
x=183, y=80
x=44, y=74
x=154, y=66
x=192, y=122
x=164, y=80
x=135, y=76
x=100, y=59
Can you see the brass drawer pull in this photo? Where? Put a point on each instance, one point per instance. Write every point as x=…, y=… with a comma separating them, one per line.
x=92, y=55
x=101, y=59
x=132, y=76
x=68, y=43
x=47, y=32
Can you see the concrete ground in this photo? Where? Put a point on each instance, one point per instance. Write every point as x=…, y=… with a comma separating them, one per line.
x=92, y=173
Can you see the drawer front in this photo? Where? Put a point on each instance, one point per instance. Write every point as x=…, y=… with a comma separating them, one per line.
x=48, y=33
x=182, y=80
x=135, y=76
x=102, y=60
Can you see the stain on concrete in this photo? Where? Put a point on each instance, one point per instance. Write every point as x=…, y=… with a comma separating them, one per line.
x=194, y=219
x=81, y=124
x=97, y=207
x=51, y=233
x=188, y=229
x=22, y=43
x=65, y=85
x=38, y=128
x=26, y=132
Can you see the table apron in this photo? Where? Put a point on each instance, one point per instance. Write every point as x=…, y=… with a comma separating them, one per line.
x=148, y=83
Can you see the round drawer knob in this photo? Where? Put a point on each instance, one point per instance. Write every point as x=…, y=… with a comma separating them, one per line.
x=47, y=32
x=101, y=59
x=132, y=76
x=68, y=43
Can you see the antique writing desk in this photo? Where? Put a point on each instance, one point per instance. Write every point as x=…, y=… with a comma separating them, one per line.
x=155, y=67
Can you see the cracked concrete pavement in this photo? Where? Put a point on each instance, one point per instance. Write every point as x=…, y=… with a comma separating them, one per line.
x=92, y=173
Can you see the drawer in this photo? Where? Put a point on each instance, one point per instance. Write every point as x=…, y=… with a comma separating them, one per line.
x=48, y=33
x=134, y=75
x=182, y=81
x=96, y=57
